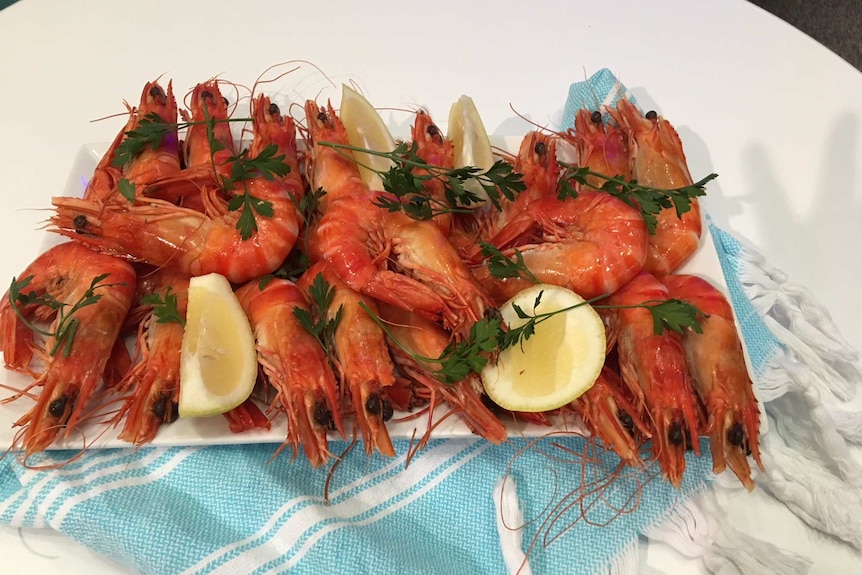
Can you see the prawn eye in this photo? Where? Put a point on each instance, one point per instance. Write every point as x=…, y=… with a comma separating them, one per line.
x=735, y=435
x=540, y=148
x=206, y=95
x=324, y=119
x=596, y=117
x=626, y=421
x=80, y=222
x=675, y=435
x=226, y=103
x=372, y=404
x=322, y=415
x=163, y=407
x=651, y=115
x=57, y=407
x=274, y=110
x=156, y=92
x=434, y=132
x=387, y=410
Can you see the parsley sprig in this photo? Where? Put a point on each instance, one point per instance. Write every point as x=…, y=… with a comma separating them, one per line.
x=268, y=165
x=66, y=322
x=405, y=181
x=165, y=307
x=314, y=320
x=651, y=201
x=489, y=335
x=501, y=266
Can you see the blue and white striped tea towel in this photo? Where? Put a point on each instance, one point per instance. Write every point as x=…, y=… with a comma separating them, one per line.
x=230, y=510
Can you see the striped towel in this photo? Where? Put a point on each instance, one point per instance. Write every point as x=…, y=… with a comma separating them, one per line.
x=235, y=510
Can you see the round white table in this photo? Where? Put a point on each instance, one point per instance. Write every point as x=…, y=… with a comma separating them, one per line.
x=777, y=115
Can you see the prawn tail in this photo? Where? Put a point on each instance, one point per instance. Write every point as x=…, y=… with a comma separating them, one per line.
x=246, y=416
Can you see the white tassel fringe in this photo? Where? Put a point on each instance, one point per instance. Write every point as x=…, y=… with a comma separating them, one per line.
x=698, y=528
x=509, y=522
x=811, y=492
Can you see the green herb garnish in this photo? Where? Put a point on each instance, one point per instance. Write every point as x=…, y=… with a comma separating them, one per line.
x=165, y=308
x=66, y=323
x=408, y=190
x=651, y=201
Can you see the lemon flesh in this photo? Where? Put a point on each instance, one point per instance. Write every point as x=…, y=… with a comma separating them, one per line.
x=470, y=140
x=558, y=363
x=365, y=129
x=218, y=361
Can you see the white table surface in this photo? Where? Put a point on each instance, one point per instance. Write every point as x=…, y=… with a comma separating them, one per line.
x=777, y=115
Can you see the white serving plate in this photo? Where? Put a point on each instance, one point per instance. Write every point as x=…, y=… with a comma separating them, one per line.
x=214, y=430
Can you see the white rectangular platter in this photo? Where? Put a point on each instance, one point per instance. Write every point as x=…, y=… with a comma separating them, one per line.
x=214, y=430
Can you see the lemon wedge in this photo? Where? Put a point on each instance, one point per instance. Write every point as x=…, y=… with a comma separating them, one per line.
x=365, y=129
x=470, y=140
x=558, y=363
x=218, y=361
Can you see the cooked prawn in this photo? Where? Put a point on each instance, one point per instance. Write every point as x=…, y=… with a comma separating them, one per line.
x=295, y=365
x=361, y=242
x=658, y=161
x=414, y=336
x=437, y=150
x=720, y=377
x=67, y=274
x=655, y=370
x=361, y=358
x=592, y=244
x=153, y=384
x=608, y=413
x=162, y=234
x=601, y=147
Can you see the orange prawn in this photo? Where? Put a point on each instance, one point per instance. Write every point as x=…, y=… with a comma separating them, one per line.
x=437, y=150
x=206, y=167
x=654, y=368
x=610, y=415
x=87, y=295
x=658, y=161
x=361, y=242
x=720, y=377
x=592, y=244
x=537, y=163
x=153, y=383
x=163, y=161
x=162, y=234
x=414, y=336
x=361, y=358
x=601, y=147
x=295, y=365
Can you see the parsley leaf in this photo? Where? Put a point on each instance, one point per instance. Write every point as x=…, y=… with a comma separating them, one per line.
x=314, y=320
x=149, y=132
x=127, y=190
x=502, y=267
x=651, y=201
x=165, y=308
x=407, y=186
x=66, y=323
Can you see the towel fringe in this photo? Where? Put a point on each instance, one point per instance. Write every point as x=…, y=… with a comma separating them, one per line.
x=801, y=324
x=811, y=491
x=848, y=423
x=627, y=562
x=698, y=528
x=509, y=522
x=803, y=423
x=804, y=387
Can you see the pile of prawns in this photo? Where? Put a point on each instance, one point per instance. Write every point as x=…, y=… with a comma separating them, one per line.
x=154, y=215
